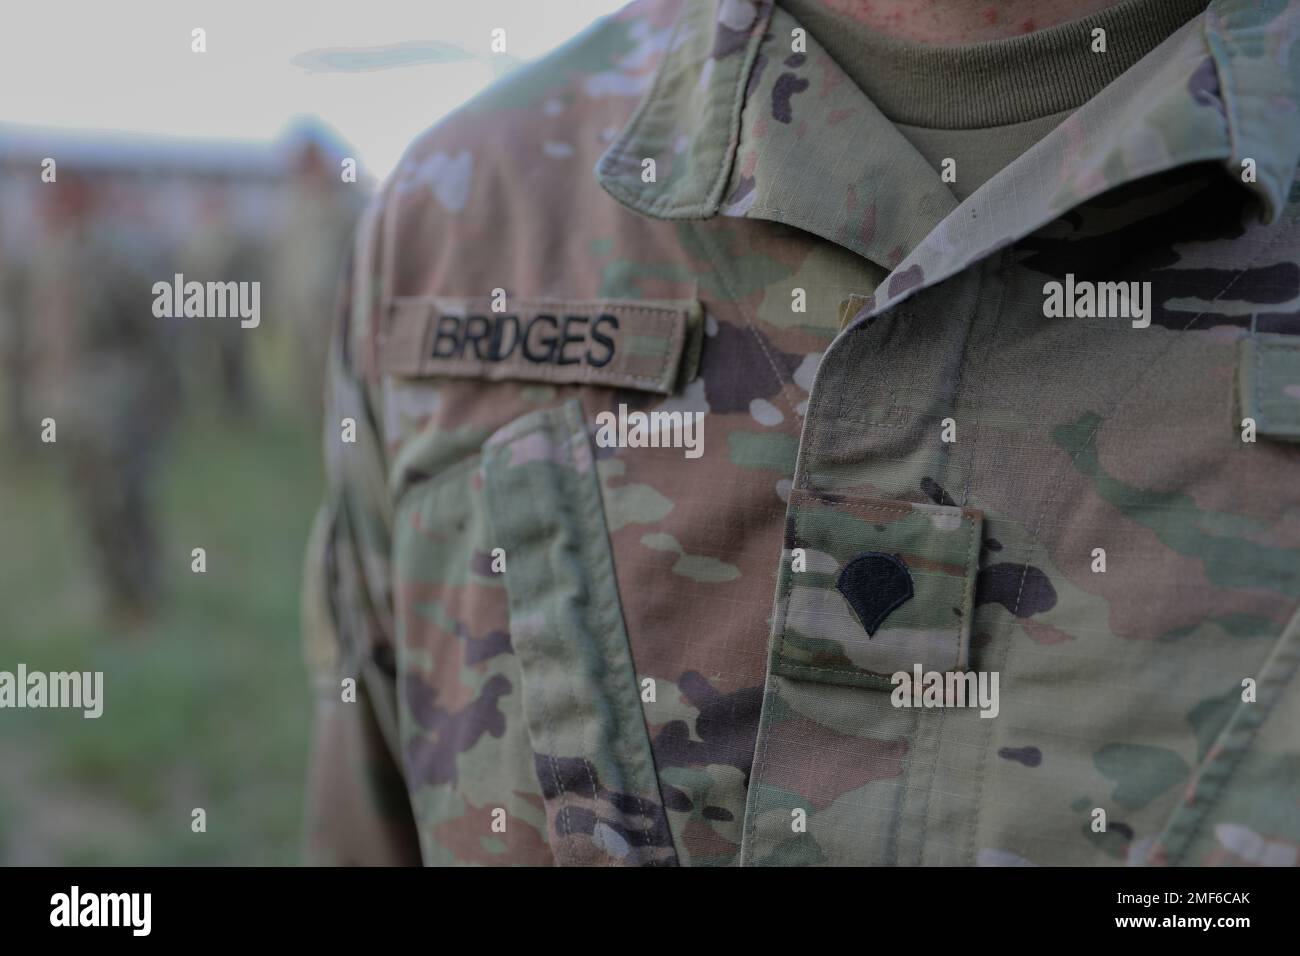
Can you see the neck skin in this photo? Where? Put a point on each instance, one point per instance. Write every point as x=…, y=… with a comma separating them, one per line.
x=951, y=22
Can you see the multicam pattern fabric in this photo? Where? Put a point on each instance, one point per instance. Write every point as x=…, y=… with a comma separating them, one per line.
x=1073, y=497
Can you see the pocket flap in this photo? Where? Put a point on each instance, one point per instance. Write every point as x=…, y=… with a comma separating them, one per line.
x=590, y=745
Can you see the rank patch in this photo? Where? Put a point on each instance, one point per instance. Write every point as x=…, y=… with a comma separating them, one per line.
x=875, y=585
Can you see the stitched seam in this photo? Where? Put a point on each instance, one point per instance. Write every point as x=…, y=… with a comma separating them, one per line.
x=865, y=509
x=989, y=336
x=570, y=436
x=968, y=608
x=866, y=675
x=929, y=786
x=968, y=624
x=546, y=711
x=786, y=384
x=566, y=435
x=1259, y=375
x=749, y=835
x=600, y=565
x=757, y=31
x=784, y=583
x=900, y=314
x=968, y=598
x=858, y=421
x=756, y=776
x=1254, y=720
x=812, y=426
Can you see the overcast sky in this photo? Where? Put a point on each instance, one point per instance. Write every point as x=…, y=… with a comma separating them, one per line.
x=377, y=71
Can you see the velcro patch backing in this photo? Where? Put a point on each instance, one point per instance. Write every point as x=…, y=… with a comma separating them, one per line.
x=1268, y=376
x=650, y=345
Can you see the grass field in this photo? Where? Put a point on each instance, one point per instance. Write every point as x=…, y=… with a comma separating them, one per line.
x=206, y=705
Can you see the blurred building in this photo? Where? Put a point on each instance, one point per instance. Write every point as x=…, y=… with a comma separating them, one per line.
x=79, y=340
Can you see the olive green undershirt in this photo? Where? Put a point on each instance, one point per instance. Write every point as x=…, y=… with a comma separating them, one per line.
x=979, y=153
x=983, y=104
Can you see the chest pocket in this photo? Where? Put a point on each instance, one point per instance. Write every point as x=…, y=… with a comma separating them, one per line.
x=874, y=598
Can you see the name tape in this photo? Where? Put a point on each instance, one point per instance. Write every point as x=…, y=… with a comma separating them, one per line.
x=647, y=345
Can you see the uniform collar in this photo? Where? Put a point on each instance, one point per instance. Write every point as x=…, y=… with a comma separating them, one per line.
x=723, y=125
x=726, y=123
x=688, y=124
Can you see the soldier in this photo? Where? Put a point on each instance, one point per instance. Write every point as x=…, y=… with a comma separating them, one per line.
x=107, y=379
x=15, y=333
x=217, y=249
x=962, y=575
x=310, y=244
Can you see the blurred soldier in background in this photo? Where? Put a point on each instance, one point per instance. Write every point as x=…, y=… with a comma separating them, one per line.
x=15, y=321
x=103, y=371
x=217, y=250
x=319, y=214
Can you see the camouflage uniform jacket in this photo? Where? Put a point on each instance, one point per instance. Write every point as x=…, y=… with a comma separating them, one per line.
x=578, y=654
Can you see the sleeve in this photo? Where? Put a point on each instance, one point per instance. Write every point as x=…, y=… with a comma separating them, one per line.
x=358, y=811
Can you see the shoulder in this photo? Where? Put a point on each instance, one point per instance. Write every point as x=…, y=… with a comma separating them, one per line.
x=502, y=192
x=518, y=160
